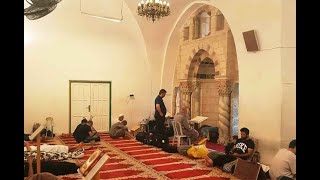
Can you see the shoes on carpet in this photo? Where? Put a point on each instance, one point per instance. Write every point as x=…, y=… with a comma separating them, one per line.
x=77, y=154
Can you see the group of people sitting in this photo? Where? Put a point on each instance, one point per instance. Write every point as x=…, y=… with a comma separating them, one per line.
x=85, y=132
x=282, y=167
x=52, y=155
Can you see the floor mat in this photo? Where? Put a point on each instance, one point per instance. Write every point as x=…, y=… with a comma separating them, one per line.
x=130, y=159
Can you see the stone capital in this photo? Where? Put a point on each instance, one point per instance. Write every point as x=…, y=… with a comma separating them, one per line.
x=224, y=88
x=188, y=86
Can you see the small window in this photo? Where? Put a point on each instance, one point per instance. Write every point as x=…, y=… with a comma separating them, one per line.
x=220, y=22
x=186, y=33
x=196, y=30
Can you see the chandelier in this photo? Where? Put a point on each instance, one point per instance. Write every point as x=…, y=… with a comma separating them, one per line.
x=153, y=9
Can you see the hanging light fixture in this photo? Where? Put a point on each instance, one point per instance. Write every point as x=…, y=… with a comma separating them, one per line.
x=153, y=9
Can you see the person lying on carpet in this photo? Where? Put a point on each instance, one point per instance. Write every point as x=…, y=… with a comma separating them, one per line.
x=243, y=149
x=43, y=175
x=54, y=152
x=119, y=129
x=53, y=148
x=49, y=169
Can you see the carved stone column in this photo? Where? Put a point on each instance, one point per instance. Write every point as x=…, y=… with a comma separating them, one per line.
x=224, y=91
x=186, y=89
x=196, y=100
x=174, y=104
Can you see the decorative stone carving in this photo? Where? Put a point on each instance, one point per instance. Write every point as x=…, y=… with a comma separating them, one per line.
x=188, y=86
x=186, y=89
x=174, y=104
x=224, y=91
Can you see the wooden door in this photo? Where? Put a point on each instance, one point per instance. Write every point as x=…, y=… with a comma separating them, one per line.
x=90, y=99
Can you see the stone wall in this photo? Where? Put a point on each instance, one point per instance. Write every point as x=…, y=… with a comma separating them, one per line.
x=217, y=46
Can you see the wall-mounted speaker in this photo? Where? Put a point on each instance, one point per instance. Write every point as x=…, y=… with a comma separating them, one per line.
x=250, y=40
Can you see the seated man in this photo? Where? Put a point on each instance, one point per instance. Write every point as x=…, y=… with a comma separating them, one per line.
x=186, y=129
x=83, y=132
x=283, y=165
x=119, y=129
x=94, y=135
x=243, y=149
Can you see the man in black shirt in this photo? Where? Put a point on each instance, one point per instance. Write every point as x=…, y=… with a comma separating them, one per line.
x=243, y=149
x=160, y=112
x=82, y=131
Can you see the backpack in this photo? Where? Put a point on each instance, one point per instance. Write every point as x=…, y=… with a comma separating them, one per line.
x=213, y=136
x=141, y=136
x=35, y=126
x=169, y=148
x=159, y=140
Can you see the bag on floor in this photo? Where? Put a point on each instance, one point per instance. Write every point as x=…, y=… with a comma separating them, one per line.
x=35, y=126
x=159, y=140
x=169, y=131
x=213, y=136
x=141, y=136
x=229, y=167
x=151, y=126
x=169, y=148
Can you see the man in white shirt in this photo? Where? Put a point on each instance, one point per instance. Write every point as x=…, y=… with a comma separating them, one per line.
x=283, y=165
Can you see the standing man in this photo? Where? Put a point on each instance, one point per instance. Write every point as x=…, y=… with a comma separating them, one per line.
x=160, y=112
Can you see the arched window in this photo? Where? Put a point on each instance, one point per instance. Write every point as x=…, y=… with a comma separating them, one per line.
x=206, y=69
x=201, y=24
x=204, y=24
x=220, y=22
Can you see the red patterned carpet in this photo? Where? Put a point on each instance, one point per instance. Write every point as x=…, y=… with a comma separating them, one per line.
x=130, y=159
x=214, y=146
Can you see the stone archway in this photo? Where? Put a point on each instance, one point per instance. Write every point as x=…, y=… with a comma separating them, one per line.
x=206, y=70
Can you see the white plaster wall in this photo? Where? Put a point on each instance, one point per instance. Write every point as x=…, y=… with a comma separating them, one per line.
x=288, y=66
x=70, y=46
